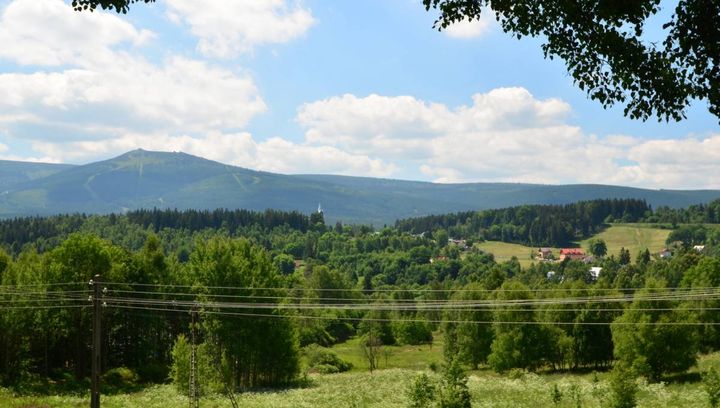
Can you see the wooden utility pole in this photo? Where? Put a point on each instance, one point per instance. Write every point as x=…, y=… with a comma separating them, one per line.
x=194, y=391
x=97, y=344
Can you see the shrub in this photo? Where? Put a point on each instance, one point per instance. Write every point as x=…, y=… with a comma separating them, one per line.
x=120, y=377
x=325, y=361
x=421, y=392
x=326, y=369
x=711, y=383
x=454, y=392
x=623, y=386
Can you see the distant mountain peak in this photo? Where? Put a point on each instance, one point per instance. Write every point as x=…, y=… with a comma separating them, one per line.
x=145, y=179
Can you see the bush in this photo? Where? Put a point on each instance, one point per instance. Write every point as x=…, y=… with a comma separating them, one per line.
x=412, y=332
x=120, y=377
x=325, y=361
x=623, y=386
x=711, y=383
x=421, y=392
x=454, y=392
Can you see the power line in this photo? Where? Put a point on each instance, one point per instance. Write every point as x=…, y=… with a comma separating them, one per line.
x=390, y=320
x=400, y=290
x=43, y=307
x=22, y=285
x=444, y=304
x=365, y=299
x=75, y=299
x=63, y=292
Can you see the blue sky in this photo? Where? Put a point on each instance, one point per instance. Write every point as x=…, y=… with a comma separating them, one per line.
x=318, y=86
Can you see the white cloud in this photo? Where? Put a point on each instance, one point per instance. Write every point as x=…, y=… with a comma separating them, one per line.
x=468, y=29
x=680, y=163
x=98, y=84
x=508, y=135
x=50, y=33
x=228, y=28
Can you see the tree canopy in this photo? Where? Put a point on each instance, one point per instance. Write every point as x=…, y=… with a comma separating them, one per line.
x=607, y=52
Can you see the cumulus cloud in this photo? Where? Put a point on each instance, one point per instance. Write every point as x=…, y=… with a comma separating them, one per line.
x=50, y=33
x=687, y=163
x=98, y=82
x=228, y=28
x=468, y=29
x=508, y=135
x=180, y=94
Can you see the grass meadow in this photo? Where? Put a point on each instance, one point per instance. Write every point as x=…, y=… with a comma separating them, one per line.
x=386, y=387
x=635, y=237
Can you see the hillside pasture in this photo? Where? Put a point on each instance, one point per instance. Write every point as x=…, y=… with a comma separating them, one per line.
x=634, y=237
x=503, y=251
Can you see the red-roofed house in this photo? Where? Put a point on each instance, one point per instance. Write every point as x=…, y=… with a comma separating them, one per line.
x=575, y=254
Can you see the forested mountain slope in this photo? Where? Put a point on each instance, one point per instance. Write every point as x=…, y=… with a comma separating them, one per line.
x=16, y=172
x=144, y=179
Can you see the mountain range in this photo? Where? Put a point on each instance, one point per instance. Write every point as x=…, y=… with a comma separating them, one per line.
x=146, y=179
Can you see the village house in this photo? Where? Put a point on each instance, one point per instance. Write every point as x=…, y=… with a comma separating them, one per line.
x=545, y=254
x=699, y=248
x=459, y=242
x=665, y=253
x=595, y=272
x=573, y=254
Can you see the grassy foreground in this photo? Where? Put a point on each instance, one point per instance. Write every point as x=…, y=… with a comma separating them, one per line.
x=386, y=388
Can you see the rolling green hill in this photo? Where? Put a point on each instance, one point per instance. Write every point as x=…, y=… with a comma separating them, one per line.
x=143, y=179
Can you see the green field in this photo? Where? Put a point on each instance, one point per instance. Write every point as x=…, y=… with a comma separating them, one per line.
x=504, y=251
x=386, y=388
x=407, y=357
x=635, y=237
